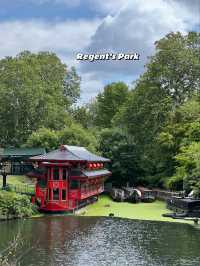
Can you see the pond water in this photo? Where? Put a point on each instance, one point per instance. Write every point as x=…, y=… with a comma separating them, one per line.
x=71, y=240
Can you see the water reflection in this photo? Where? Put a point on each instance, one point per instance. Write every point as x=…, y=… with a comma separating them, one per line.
x=104, y=241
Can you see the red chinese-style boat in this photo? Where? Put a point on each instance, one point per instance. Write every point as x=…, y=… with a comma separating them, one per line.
x=68, y=178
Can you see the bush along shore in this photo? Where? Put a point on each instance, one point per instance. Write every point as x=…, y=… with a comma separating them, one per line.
x=13, y=206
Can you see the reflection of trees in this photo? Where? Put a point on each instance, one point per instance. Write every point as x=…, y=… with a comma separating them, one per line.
x=14, y=251
x=161, y=242
x=61, y=232
x=71, y=240
x=56, y=234
x=9, y=255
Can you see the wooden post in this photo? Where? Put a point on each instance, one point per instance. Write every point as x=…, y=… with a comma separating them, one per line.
x=4, y=180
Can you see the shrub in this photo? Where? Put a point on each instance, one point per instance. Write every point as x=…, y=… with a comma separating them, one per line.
x=14, y=205
x=175, y=183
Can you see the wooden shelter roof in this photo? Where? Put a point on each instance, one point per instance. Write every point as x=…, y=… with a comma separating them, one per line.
x=21, y=152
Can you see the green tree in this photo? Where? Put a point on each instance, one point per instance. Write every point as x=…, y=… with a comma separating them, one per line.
x=74, y=134
x=77, y=135
x=45, y=138
x=160, y=111
x=72, y=86
x=108, y=103
x=184, y=129
x=188, y=169
x=33, y=93
x=120, y=148
x=83, y=116
x=144, y=116
x=145, y=113
x=175, y=67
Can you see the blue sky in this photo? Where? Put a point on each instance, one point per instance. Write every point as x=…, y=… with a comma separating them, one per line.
x=68, y=27
x=49, y=10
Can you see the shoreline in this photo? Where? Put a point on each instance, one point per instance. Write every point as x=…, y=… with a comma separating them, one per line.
x=176, y=221
x=106, y=207
x=139, y=211
x=149, y=211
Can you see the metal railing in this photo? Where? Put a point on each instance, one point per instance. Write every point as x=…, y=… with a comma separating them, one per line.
x=20, y=188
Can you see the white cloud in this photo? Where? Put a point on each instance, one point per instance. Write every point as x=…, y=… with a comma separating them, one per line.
x=65, y=38
x=135, y=28
x=91, y=85
x=191, y=8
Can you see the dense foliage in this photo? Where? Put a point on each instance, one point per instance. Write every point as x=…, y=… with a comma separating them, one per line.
x=35, y=91
x=160, y=119
x=50, y=139
x=14, y=205
x=108, y=103
x=122, y=151
x=150, y=131
x=175, y=66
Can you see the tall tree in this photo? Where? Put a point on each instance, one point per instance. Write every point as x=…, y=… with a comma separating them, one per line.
x=171, y=79
x=72, y=85
x=183, y=131
x=175, y=67
x=121, y=149
x=144, y=116
x=74, y=134
x=108, y=103
x=188, y=170
x=33, y=93
x=83, y=115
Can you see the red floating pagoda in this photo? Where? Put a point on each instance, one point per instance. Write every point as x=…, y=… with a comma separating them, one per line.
x=68, y=178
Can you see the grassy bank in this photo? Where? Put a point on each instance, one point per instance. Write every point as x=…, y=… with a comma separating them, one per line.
x=142, y=211
x=16, y=180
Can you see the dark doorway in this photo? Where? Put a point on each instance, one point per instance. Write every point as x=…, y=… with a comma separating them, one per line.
x=56, y=173
x=55, y=194
x=63, y=194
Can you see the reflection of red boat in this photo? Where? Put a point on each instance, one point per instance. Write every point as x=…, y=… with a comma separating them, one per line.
x=69, y=178
x=147, y=195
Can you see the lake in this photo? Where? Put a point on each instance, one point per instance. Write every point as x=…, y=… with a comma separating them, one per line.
x=73, y=240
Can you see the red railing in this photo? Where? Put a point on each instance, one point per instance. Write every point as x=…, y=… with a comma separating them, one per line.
x=74, y=194
x=90, y=192
x=79, y=194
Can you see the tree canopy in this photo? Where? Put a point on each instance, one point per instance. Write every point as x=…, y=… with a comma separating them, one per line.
x=175, y=66
x=108, y=102
x=50, y=139
x=35, y=90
